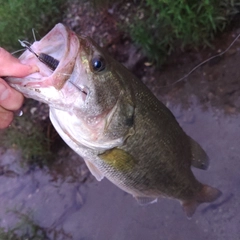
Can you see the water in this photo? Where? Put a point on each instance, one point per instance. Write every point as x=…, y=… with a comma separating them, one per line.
x=76, y=209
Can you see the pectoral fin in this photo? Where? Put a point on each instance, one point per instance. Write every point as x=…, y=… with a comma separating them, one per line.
x=118, y=159
x=199, y=157
x=146, y=200
x=94, y=170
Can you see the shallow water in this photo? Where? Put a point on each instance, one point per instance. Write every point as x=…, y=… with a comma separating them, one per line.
x=99, y=210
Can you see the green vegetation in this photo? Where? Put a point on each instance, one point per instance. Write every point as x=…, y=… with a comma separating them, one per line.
x=163, y=25
x=158, y=26
x=18, y=17
x=31, y=137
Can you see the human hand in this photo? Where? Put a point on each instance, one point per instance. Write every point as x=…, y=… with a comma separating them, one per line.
x=10, y=99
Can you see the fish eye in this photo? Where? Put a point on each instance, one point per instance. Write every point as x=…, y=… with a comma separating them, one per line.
x=98, y=64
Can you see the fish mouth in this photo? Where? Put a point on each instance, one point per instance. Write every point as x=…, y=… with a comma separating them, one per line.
x=60, y=45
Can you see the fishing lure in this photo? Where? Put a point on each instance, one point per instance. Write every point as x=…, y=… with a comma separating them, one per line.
x=48, y=60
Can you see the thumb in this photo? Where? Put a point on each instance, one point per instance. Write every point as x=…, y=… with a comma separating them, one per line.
x=11, y=66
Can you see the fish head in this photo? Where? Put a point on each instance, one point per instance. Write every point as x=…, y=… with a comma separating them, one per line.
x=87, y=84
x=81, y=80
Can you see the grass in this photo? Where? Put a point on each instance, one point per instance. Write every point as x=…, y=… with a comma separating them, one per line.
x=31, y=137
x=18, y=17
x=161, y=26
x=158, y=26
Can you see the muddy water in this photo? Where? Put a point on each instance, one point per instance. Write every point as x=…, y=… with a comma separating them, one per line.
x=99, y=210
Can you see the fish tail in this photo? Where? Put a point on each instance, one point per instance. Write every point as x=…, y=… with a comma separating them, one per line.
x=207, y=194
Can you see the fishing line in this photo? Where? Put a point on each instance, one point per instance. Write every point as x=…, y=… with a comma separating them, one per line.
x=202, y=63
x=26, y=42
x=34, y=36
x=17, y=51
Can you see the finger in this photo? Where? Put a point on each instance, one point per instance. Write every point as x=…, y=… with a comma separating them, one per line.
x=10, y=99
x=6, y=118
x=11, y=66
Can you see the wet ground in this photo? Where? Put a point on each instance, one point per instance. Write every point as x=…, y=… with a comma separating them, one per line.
x=98, y=210
x=65, y=202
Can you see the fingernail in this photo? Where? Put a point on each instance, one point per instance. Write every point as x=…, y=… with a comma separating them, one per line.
x=4, y=92
x=18, y=113
x=34, y=69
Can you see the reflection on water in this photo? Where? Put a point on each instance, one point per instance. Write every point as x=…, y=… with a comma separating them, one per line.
x=70, y=206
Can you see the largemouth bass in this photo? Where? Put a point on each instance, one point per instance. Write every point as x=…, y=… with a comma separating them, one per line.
x=111, y=119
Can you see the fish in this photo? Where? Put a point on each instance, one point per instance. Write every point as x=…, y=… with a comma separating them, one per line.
x=114, y=122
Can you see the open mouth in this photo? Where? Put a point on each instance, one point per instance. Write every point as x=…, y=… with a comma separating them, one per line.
x=61, y=81
x=54, y=55
x=48, y=60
